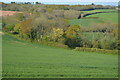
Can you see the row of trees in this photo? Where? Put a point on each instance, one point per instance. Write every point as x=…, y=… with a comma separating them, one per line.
x=25, y=3
x=19, y=6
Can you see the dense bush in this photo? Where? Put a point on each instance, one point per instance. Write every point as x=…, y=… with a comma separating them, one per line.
x=72, y=36
x=96, y=50
x=101, y=27
x=9, y=23
x=71, y=14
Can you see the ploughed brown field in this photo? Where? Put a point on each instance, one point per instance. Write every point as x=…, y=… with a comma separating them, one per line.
x=7, y=13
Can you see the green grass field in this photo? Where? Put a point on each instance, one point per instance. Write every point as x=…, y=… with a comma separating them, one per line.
x=85, y=22
x=0, y=56
x=24, y=59
x=107, y=17
x=95, y=18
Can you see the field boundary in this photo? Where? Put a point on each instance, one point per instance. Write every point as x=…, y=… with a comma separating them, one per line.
x=82, y=49
x=104, y=51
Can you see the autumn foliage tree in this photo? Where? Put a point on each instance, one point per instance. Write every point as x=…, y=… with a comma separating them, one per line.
x=57, y=34
x=19, y=16
x=73, y=31
x=72, y=36
x=25, y=28
x=17, y=28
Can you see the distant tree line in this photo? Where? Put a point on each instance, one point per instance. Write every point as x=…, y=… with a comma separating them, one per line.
x=25, y=3
x=19, y=6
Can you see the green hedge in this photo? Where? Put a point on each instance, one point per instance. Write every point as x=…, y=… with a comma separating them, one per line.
x=96, y=50
x=54, y=44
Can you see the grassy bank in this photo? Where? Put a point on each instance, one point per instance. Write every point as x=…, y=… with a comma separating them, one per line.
x=22, y=59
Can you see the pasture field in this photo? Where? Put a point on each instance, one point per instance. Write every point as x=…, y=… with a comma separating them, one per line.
x=24, y=59
x=0, y=55
x=107, y=17
x=95, y=18
x=85, y=22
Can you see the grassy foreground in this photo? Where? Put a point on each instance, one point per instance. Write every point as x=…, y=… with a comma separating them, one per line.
x=23, y=59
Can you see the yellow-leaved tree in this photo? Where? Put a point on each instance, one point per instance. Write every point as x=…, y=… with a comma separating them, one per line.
x=57, y=34
x=72, y=36
x=17, y=28
x=25, y=28
x=73, y=31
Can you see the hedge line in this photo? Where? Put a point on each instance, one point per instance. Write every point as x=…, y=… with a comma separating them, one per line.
x=97, y=50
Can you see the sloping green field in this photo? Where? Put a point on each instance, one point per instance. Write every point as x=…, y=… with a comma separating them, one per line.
x=107, y=17
x=85, y=22
x=0, y=56
x=23, y=59
x=96, y=18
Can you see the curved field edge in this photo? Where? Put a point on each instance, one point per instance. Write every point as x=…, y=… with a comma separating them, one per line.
x=21, y=59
